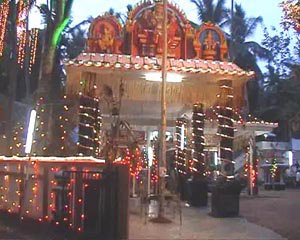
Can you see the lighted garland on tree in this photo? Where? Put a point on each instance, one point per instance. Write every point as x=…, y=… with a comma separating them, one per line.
x=18, y=140
x=198, y=141
x=90, y=122
x=181, y=167
x=145, y=160
x=134, y=159
x=254, y=175
x=39, y=144
x=154, y=167
x=226, y=128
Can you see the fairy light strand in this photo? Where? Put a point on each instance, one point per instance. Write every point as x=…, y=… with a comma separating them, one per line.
x=226, y=127
x=198, y=163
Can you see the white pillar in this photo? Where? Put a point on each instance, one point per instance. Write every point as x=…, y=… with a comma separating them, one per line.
x=148, y=170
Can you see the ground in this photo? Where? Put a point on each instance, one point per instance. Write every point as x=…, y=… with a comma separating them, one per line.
x=276, y=210
x=273, y=215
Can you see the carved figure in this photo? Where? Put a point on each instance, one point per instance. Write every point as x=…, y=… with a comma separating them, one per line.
x=210, y=43
x=106, y=40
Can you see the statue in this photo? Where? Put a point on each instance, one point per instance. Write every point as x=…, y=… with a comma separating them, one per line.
x=173, y=39
x=148, y=36
x=209, y=47
x=210, y=43
x=105, y=35
x=106, y=40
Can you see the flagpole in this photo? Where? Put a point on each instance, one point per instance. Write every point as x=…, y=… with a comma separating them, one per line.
x=162, y=163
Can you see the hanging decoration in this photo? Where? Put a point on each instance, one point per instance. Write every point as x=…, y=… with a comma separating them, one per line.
x=198, y=142
x=226, y=128
x=33, y=41
x=22, y=21
x=4, y=10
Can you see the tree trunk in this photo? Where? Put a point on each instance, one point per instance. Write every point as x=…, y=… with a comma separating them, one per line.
x=12, y=73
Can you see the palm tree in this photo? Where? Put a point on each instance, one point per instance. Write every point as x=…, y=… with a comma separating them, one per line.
x=243, y=52
x=210, y=12
x=57, y=15
x=246, y=53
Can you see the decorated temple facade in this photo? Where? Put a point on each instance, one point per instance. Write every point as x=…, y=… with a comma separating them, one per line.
x=112, y=104
x=126, y=60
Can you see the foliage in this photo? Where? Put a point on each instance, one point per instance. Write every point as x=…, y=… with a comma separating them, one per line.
x=291, y=10
x=210, y=12
x=243, y=52
x=74, y=39
x=281, y=86
x=279, y=50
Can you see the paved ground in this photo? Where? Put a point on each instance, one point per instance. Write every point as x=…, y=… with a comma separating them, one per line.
x=276, y=210
x=197, y=224
x=269, y=216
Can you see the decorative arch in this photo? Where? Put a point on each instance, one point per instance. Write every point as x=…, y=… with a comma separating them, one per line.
x=144, y=30
x=210, y=43
x=105, y=35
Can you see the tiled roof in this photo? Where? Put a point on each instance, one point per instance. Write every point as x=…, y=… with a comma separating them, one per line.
x=152, y=63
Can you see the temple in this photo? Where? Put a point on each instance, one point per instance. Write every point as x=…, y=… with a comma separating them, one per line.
x=113, y=113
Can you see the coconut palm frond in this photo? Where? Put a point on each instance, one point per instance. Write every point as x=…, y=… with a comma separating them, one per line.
x=252, y=25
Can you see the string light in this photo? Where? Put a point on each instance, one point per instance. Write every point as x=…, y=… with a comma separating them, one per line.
x=274, y=169
x=4, y=10
x=90, y=123
x=39, y=144
x=226, y=128
x=33, y=47
x=198, y=142
x=181, y=126
x=18, y=142
x=154, y=168
x=23, y=11
x=134, y=160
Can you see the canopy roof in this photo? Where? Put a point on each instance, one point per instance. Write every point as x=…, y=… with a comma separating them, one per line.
x=141, y=97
